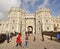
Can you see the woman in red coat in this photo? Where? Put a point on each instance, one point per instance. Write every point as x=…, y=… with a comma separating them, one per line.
x=19, y=42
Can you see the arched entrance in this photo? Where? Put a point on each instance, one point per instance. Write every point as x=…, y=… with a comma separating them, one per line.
x=30, y=29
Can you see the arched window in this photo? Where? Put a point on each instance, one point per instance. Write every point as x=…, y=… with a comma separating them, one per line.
x=39, y=22
x=12, y=27
x=57, y=24
x=46, y=20
x=13, y=21
x=47, y=28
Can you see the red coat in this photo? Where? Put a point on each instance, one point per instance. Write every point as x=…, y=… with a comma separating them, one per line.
x=19, y=39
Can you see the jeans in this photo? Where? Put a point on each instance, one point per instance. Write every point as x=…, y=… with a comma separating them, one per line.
x=26, y=43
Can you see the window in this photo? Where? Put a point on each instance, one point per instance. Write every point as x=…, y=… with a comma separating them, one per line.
x=39, y=28
x=47, y=28
x=46, y=20
x=12, y=27
x=0, y=24
x=7, y=25
x=13, y=21
x=55, y=28
x=54, y=24
x=39, y=21
x=14, y=14
x=57, y=24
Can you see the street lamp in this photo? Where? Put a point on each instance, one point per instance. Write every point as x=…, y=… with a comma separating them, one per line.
x=42, y=32
x=20, y=26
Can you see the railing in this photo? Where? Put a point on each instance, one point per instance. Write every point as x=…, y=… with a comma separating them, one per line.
x=49, y=33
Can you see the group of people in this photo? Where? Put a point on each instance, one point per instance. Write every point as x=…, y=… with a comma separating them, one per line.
x=19, y=41
x=8, y=37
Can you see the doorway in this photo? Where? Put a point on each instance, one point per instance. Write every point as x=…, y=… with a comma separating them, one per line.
x=30, y=29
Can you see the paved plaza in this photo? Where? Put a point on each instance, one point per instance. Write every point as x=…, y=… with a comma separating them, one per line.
x=38, y=44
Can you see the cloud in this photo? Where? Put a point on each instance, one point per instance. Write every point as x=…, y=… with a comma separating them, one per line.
x=27, y=5
x=1, y=14
x=44, y=4
x=55, y=7
x=54, y=1
x=57, y=4
x=5, y=5
x=31, y=5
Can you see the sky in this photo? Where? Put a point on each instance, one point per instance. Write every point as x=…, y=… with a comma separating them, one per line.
x=30, y=6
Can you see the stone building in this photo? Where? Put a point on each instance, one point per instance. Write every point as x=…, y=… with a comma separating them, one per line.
x=20, y=21
x=56, y=21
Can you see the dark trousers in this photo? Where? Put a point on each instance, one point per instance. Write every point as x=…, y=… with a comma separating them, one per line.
x=26, y=43
x=19, y=44
x=7, y=40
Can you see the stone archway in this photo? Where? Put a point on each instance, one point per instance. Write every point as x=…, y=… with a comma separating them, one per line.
x=30, y=29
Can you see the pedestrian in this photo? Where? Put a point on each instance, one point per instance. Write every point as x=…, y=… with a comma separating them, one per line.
x=34, y=39
x=19, y=42
x=26, y=39
x=7, y=38
x=45, y=48
x=11, y=35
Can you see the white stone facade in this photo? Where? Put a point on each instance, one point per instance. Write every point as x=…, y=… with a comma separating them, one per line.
x=20, y=21
x=56, y=23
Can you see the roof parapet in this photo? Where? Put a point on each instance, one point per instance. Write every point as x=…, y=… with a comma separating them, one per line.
x=43, y=10
x=17, y=9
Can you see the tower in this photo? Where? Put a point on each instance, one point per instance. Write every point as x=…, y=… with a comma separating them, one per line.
x=15, y=20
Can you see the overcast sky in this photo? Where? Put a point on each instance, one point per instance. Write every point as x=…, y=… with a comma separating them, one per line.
x=30, y=6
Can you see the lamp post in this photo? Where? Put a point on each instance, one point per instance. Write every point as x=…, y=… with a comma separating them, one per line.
x=20, y=26
x=42, y=32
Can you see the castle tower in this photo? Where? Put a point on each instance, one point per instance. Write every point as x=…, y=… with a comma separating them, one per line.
x=44, y=20
x=15, y=20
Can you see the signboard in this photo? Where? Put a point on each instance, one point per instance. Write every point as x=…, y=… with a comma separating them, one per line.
x=58, y=35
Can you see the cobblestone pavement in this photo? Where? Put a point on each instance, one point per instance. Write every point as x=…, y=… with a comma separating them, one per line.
x=38, y=44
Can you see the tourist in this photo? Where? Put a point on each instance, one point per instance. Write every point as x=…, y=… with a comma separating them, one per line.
x=45, y=48
x=34, y=39
x=11, y=35
x=7, y=37
x=19, y=42
x=26, y=39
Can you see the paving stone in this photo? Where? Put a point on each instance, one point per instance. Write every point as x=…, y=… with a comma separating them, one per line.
x=38, y=44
